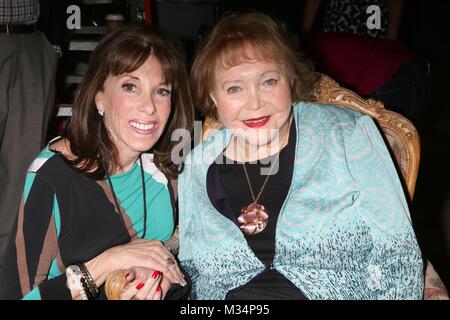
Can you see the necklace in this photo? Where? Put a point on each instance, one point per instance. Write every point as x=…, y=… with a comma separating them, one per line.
x=116, y=202
x=254, y=217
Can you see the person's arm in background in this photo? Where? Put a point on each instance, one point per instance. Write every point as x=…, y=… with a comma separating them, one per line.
x=395, y=11
x=52, y=22
x=309, y=14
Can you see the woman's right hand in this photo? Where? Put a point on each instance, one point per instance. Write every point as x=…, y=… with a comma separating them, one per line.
x=150, y=254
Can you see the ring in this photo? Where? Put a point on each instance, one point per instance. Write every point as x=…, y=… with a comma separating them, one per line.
x=169, y=262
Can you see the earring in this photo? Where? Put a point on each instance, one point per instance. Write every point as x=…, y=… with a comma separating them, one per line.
x=101, y=113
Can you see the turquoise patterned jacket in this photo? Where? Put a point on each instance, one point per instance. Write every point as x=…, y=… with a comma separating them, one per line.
x=344, y=231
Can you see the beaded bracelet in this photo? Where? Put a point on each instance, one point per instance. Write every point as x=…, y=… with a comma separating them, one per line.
x=86, y=288
x=92, y=289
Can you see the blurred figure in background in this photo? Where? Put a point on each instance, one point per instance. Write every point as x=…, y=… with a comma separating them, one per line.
x=372, y=59
x=27, y=88
x=357, y=46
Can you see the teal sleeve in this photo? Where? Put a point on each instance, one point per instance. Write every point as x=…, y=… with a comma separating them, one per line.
x=395, y=270
x=186, y=204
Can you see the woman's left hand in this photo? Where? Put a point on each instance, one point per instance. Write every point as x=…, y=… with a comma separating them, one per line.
x=143, y=284
x=165, y=286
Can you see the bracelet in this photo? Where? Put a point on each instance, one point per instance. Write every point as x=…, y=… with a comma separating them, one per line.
x=86, y=289
x=89, y=282
x=75, y=280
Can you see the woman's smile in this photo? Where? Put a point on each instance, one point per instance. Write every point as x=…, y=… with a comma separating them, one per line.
x=256, y=123
x=144, y=127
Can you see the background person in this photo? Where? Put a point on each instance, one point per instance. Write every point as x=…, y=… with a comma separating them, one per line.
x=27, y=92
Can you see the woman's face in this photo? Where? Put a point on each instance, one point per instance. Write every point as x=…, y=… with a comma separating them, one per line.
x=254, y=100
x=136, y=108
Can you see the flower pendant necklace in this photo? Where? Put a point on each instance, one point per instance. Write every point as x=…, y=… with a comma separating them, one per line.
x=254, y=217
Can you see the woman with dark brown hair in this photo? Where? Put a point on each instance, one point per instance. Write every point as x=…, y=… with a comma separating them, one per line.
x=94, y=201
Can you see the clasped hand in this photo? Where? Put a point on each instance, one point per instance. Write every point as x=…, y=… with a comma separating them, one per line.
x=151, y=268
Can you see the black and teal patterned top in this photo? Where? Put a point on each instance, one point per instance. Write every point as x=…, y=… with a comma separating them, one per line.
x=66, y=218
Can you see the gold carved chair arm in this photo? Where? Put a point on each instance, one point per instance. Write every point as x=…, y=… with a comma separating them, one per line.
x=401, y=134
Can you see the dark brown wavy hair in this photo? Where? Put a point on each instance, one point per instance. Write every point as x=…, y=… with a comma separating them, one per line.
x=227, y=45
x=122, y=51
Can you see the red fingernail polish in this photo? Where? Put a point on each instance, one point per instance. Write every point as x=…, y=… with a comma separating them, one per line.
x=155, y=274
x=139, y=286
x=158, y=289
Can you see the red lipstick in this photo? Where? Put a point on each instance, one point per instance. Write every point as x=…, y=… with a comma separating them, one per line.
x=257, y=122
